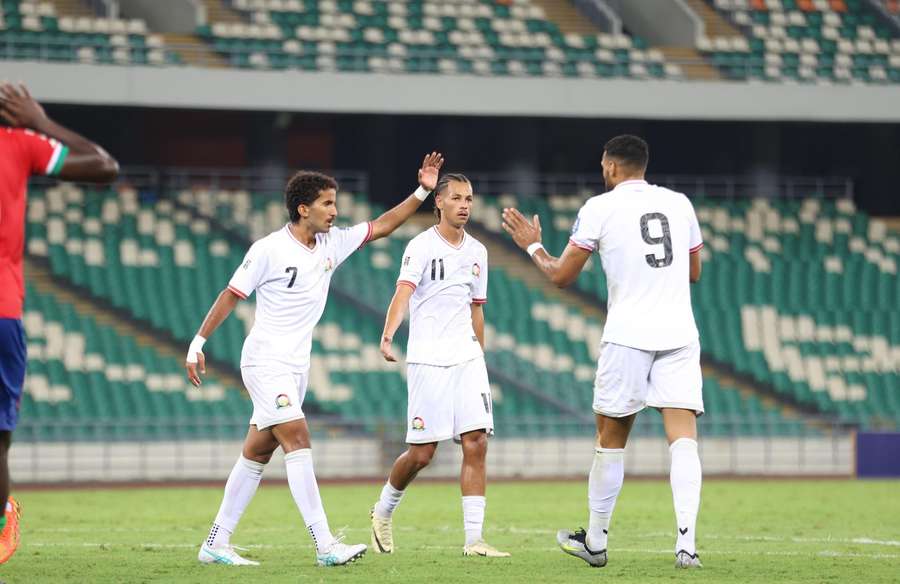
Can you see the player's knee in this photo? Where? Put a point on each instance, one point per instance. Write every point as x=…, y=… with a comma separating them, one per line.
x=475, y=444
x=421, y=457
x=260, y=457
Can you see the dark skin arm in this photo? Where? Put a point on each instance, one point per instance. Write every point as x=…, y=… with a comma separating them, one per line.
x=696, y=267
x=86, y=162
x=561, y=271
x=217, y=314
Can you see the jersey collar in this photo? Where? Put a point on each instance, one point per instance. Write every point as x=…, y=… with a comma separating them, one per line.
x=461, y=242
x=308, y=249
x=635, y=181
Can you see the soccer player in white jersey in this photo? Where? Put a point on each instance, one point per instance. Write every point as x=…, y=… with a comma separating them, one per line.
x=443, y=282
x=649, y=240
x=290, y=270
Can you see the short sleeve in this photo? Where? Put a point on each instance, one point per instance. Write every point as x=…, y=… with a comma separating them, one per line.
x=696, y=241
x=250, y=273
x=347, y=240
x=481, y=279
x=45, y=156
x=586, y=230
x=412, y=266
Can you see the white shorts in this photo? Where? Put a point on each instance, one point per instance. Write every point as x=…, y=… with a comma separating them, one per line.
x=277, y=395
x=630, y=379
x=445, y=402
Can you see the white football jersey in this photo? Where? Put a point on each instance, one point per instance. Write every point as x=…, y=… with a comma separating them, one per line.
x=291, y=282
x=447, y=280
x=644, y=235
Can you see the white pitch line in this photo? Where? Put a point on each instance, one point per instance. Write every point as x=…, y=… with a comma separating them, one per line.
x=512, y=530
x=717, y=552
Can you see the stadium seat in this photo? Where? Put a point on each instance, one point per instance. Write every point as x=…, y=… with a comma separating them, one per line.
x=426, y=36
x=804, y=41
x=807, y=288
x=31, y=29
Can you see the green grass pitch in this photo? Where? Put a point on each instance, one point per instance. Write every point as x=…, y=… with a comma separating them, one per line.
x=750, y=531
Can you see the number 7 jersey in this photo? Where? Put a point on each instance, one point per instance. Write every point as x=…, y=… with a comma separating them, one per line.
x=291, y=282
x=644, y=235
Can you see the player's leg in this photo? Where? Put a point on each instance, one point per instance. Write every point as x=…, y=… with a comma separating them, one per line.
x=239, y=490
x=12, y=382
x=620, y=391
x=293, y=436
x=676, y=388
x=429, y=415
x=404, y=470
x=473, y=418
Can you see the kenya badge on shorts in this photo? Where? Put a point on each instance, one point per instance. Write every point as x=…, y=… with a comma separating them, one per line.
x=282, y=401
x=418, y=423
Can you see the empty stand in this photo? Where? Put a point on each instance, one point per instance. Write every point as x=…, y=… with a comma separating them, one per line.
x=425, y=36
x=800, y=294
x=33, y=29
x=806, y=40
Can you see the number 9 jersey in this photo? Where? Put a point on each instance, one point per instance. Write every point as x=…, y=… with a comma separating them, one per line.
x=644, y=235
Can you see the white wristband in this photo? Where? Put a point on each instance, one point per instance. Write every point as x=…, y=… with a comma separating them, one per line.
x=421, y=194
x=534, y=247
x=196, y=347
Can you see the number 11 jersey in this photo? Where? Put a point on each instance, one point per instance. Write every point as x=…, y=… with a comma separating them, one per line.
x=291, y=282
x=644, y=235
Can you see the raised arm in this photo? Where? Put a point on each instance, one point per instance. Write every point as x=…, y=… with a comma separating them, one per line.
x=395, y=315
x=561, y=271
x=86, y=161
x=394, y=218
x=217, y=314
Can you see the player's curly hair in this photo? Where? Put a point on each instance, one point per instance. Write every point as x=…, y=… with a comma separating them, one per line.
x=303, y=189
x=629, y=150
x=442, y=184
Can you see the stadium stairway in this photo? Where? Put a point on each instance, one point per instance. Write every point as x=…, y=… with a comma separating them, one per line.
x=566, y=16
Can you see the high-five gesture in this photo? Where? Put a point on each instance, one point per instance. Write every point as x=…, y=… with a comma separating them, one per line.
x=523, y=231
x=431, y=166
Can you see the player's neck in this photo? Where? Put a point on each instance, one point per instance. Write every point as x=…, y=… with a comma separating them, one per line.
x=629, y=178
x=453, y=235
x=303, y=233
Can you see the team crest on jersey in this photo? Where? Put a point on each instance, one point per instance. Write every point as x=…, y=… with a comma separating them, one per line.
x=329, y=265
x=282, y=401
x=476, y=270
x=418, y=423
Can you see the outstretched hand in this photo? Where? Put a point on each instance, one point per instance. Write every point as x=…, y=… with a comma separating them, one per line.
x=18, y=108
x=523, y=231
x=431, y=166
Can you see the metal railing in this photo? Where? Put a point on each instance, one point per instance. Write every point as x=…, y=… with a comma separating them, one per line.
x=719, y=186
x=509, y=61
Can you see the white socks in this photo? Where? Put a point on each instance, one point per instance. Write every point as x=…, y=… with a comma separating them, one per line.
x=239, y=490
x=387, y=503
x=305, y=490
x=473, y=517
x=686, y=477
x=604, y=484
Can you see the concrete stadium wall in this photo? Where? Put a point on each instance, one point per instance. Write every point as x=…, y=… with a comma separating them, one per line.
x=297, y=91
x=367, y=458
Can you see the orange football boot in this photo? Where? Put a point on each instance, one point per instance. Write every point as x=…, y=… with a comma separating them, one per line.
x=9, y=537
